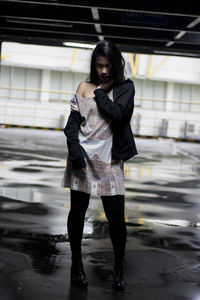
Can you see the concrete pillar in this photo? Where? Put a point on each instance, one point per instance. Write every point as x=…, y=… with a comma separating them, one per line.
x=45, y=85
x=169, y=96
x=0, y=58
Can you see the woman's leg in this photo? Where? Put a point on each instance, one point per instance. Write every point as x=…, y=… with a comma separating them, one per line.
x=76, y=217
x=114, y=210
x=75, y=225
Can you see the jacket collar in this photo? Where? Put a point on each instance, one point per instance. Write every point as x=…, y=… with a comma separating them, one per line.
x=126, y=80
x=115, y=89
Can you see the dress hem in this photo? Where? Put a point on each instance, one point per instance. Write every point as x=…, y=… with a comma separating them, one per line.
x=81, y=190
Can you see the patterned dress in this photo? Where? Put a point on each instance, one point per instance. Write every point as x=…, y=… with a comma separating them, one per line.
x=103, y=176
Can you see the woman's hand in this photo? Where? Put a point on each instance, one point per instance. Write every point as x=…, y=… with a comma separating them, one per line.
x=84, y=170
x=105, y=85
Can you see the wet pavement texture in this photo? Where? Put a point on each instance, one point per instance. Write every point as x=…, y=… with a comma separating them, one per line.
x=162, y=216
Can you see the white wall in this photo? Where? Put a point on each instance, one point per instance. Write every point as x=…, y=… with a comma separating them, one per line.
x=34, y=114
x=55, y=115
x=177, y=69
x=172, y=68
x=151, y=121
x=52, y=68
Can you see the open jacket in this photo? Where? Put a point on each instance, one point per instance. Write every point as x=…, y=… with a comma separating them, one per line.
x=119, y=111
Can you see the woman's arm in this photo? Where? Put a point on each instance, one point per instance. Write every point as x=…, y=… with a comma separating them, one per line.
x=71, y=131
x=121, y=108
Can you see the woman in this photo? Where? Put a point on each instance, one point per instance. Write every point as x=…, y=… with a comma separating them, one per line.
x=99, y=140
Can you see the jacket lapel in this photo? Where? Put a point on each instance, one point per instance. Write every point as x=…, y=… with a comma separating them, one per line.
x=116, y=89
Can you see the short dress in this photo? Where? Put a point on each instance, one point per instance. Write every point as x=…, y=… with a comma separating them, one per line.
x=104, y=176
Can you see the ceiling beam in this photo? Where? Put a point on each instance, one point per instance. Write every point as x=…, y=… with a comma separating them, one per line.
x=83, y=20
x=166, y=7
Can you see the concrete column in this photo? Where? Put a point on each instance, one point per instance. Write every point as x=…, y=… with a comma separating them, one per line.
x=45, y=85
x=0, y=58
x=143, y=65
x=170, y=96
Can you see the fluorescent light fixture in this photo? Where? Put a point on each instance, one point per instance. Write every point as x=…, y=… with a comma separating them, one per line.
x=79, y=45
x=194, y=23
x=95, y=13
x=101, y=37
x=98, y=28
x=179, y=35
x=170, y=43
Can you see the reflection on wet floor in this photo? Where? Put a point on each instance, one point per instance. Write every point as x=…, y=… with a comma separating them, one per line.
x=162, y=217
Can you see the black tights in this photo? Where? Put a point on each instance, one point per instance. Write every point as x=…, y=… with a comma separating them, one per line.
x=114, y=210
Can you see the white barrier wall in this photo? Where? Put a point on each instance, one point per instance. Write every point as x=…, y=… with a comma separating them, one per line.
x=156, y=67
x=169, y=68
x=55, y=115
x=34, y=114
x=151, y=123
x=167, y=88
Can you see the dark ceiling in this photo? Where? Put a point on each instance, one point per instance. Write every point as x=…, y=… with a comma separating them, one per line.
x=149, y=27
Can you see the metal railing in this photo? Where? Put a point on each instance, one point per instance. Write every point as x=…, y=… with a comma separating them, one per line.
x=143, y=124
x=72, y=93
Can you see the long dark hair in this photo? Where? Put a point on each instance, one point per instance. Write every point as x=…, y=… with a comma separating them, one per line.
x=109, y=50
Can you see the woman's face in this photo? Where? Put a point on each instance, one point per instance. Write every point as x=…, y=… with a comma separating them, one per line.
x=103, y=68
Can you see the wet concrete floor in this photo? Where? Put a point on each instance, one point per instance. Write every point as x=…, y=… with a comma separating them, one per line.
x=162, y=215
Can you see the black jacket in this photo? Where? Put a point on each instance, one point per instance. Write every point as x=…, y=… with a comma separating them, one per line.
x=119, y=111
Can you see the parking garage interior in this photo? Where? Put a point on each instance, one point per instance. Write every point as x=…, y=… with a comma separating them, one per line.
x=45, y=51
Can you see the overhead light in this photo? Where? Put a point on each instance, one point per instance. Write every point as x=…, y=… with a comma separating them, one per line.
x=170, y=43
x=194, y=23
x=98, y=28
x=79, y=45
x=95, y=13
x=101, y=37
x=179, y=35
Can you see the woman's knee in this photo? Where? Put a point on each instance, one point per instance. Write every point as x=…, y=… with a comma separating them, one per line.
x=114, y=208
x=79, y=201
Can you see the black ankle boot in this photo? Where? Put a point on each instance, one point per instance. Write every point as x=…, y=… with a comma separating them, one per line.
x=78, y=277
x=118, y=277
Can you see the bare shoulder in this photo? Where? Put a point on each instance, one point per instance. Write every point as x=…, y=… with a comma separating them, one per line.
x=89, y=88
x=81, y=88
x=84, y=88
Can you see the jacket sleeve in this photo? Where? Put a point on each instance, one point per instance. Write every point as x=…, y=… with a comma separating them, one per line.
x=71, y=130
x=118, y=110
